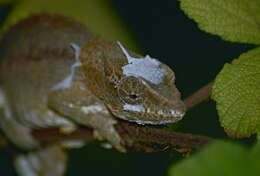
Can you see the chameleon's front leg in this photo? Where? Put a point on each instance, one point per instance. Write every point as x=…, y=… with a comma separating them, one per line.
x=90, y=113
x=49, y=161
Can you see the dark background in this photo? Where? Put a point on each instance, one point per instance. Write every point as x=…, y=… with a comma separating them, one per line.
x=164, y=32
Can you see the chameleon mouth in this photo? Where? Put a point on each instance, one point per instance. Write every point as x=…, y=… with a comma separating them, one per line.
x=161, y=117
x=153, y=116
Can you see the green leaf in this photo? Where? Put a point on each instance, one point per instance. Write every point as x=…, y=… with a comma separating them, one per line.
x=233, y=20
x=95, y=14
x=237, y=93
x=220, y=158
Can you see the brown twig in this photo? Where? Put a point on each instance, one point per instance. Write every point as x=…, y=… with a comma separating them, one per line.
x=160, y=139
x=201, y=95
x=138, y=137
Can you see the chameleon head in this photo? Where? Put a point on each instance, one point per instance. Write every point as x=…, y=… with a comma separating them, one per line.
x=134, y=88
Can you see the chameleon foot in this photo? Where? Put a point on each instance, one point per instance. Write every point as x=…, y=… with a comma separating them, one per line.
x=109, y=133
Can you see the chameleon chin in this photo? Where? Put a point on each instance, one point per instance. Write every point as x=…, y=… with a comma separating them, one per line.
x=56, y=73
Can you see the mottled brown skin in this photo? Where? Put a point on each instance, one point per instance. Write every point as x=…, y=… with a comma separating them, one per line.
x=104, y=60
x=36, y=54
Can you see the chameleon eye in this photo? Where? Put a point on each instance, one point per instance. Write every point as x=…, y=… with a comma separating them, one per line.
x=133, y=96
x=130, y=90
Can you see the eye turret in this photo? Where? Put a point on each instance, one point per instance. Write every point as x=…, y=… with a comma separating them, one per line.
x=131, y=90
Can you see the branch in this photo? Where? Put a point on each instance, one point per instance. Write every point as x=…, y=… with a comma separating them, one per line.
x=201, y=95
x=138, y=137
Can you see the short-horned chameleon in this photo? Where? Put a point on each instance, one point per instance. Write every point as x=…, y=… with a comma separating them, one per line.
x=56, y=73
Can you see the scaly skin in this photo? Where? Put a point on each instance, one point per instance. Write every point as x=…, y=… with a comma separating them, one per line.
x=56, y=73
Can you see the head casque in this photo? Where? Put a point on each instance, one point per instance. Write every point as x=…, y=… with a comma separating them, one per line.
x=132, y=87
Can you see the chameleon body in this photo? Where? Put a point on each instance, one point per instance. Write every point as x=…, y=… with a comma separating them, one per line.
x=56, y=73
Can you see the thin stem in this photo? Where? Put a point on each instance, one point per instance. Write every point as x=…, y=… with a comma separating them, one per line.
x=136, y=137
x=201, y=95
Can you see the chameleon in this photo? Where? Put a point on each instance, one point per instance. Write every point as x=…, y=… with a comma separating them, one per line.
x=56, y=73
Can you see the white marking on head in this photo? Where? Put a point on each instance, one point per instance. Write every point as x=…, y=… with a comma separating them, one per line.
x=67, y=82
x=147, y=67
x=135, y=108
